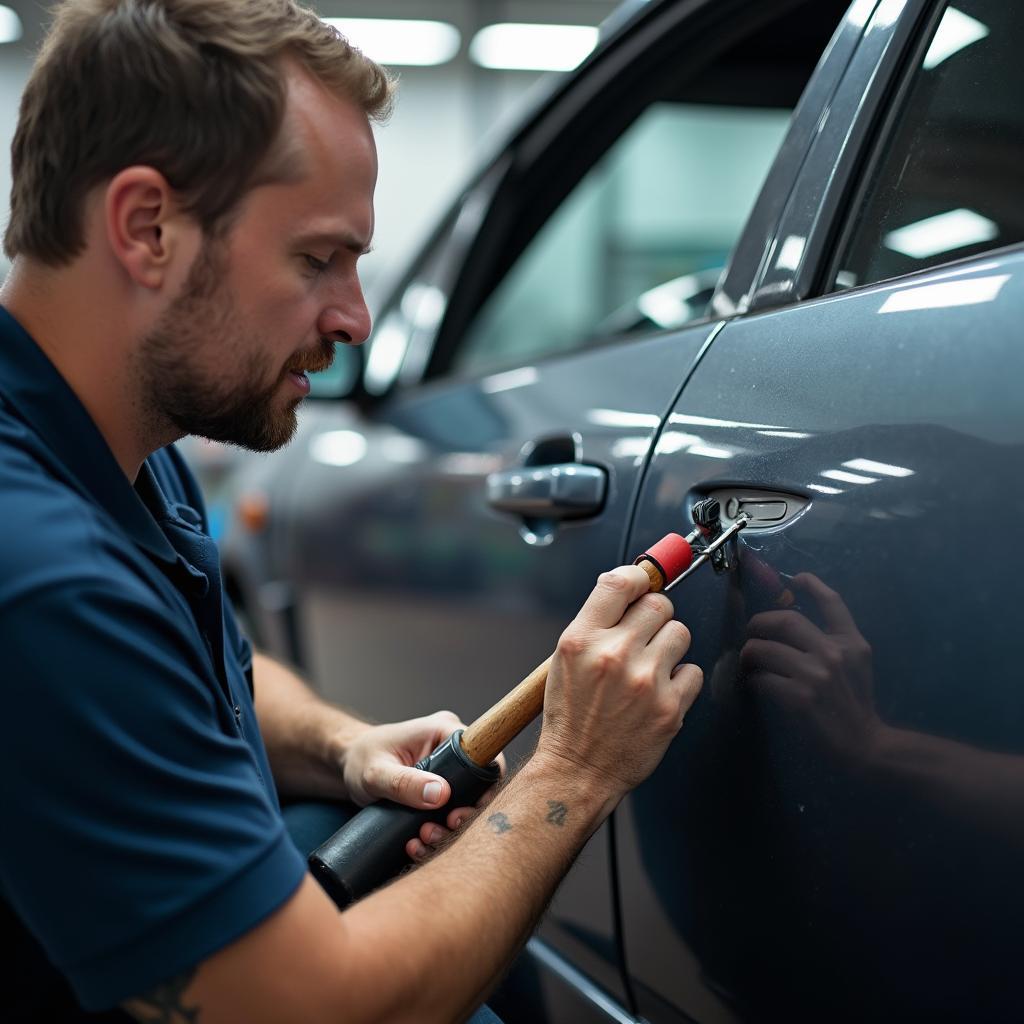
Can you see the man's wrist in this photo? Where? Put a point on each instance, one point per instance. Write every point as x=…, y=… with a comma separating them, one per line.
x=549, y=770
x=339, y=731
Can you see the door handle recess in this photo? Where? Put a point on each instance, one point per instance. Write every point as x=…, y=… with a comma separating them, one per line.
x=567, y=490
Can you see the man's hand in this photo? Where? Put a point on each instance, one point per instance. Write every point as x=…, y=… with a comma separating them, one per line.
x=616, y=693
x=821, y=676
x=378, y=766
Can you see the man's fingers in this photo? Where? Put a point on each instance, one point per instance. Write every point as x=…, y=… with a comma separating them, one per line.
x=688, y=680
x=833, y=609
x=788, y=694
x=614, y=593
x=790, y=628
x=461, y=816
x=647, y=616
x=387, y=781
x=670, y=644
x=770, y=656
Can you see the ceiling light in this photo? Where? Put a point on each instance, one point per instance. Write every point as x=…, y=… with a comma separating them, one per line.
x=520, y=47
x=401, y=41
x=10, y=25
x=338, y=448
x=955, y=31
x=946, y=293
x=941, y=233
x=848, y=478
x=881, y=468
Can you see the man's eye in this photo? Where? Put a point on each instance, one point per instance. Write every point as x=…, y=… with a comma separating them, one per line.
x=316, y=265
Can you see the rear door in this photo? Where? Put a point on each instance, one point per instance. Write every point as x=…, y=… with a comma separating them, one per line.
x=836, y=834
x=551, y=363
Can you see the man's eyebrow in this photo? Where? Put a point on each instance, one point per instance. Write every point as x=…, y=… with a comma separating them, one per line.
x=353, y=243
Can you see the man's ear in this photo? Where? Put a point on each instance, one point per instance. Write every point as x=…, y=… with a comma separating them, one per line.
x=143, y=224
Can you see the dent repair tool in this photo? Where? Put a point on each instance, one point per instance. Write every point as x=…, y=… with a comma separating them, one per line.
x=370, y=849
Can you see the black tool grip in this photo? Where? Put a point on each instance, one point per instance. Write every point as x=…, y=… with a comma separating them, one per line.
x=368, y=850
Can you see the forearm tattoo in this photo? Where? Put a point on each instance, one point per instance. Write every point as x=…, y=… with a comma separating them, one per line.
x=165, y=1005
x=500, y=823
x=557, y=812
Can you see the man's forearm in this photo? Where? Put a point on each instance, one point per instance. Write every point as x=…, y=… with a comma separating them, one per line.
x=493, y=883
x=306, y=738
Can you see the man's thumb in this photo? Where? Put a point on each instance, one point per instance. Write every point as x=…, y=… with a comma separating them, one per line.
x=416, y=788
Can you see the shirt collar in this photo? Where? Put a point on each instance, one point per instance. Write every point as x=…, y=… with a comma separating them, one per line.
x=43, y=399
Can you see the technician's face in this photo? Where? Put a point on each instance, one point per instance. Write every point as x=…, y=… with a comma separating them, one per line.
x=266, y=305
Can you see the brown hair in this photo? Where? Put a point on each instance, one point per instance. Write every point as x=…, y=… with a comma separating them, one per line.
x=193, y=88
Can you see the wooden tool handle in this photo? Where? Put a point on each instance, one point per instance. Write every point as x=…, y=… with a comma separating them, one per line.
x=496, y=728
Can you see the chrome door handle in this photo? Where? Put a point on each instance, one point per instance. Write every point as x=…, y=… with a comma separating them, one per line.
x=564, y=491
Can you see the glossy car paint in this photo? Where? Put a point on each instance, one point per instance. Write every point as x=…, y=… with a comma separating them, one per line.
x=840, y=850
x=784, y=862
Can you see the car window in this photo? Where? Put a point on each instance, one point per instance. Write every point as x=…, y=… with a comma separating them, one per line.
x=639, y=243
x=946, y=183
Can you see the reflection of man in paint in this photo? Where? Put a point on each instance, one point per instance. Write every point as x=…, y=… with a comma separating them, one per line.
x=822, y=676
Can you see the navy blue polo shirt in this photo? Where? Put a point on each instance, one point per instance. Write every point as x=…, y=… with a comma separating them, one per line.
x=141, y=827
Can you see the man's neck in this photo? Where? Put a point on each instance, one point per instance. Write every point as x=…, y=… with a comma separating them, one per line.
x=68, y=317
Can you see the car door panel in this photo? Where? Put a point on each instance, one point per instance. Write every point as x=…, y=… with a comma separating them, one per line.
x=832, y=834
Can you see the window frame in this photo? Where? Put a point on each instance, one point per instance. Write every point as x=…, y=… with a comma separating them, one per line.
x=875, y=157
x=816, y=208
x=705, y=28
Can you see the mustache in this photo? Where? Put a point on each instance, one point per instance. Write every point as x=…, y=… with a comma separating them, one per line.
x=317, y=361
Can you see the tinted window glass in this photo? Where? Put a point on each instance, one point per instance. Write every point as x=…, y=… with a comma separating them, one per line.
x=949, y=181
x=639, y=243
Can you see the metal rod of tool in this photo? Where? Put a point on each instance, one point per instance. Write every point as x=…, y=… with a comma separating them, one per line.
x=705, y=555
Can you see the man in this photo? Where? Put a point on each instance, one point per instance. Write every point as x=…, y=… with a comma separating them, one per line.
x=193, y=186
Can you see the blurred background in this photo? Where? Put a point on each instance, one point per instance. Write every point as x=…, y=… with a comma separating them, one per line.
x=464, y=69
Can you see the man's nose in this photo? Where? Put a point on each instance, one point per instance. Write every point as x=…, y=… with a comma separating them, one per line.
x=346, y=320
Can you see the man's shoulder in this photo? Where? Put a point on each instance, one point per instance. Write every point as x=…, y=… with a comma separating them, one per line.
x=51, y=531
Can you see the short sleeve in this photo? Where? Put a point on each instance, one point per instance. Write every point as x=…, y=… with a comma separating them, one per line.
x=138, y=835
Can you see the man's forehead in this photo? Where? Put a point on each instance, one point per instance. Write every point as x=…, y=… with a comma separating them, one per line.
x=323, y=124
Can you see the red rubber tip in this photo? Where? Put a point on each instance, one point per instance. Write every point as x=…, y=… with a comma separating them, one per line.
x=672, y=555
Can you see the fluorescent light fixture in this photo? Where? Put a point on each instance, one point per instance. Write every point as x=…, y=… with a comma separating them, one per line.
x=338, y=448
x=955, y=31
x=710, y=452
x=387, y=351
x=888, y=13
x=673, y=441
x=515, y=46
x=791, y=253
x=423, y=305
x=510, y=380
x=709, y=421
x=879, y=468
x=848, y=478
x=942, y=233
x=783, y=433
x=620, y=418
x=822, y=489
x=860, y=12
x=947, y=293
x=10, y=25
x=401, y=41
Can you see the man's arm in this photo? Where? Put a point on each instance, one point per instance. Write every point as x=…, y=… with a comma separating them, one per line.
x=318, y=750
x=306, y=738
x=429, y=946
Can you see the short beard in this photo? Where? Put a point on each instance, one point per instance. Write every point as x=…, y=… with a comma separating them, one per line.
x=179, y=382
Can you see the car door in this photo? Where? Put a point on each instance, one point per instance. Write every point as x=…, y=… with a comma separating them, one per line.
x=437, y=557
x=835, y=834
